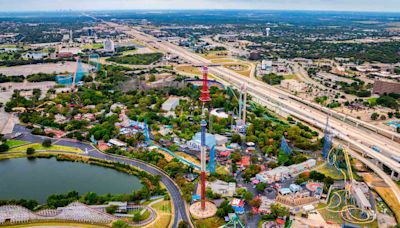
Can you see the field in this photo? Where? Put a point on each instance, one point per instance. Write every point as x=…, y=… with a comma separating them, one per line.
x=14, y=143
x=93, y=46
x=137, y=59
x=38, y=146
x=332, y=172
x=239, y=67
x=385, y=193
x=212, y=222
x=215, y=55
x=164, y=215
x=189, y=69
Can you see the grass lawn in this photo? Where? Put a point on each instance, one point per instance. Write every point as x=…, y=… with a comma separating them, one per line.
x=221, y=170
x=145, y=215
x=189, y=69
x=245, y=71
x=372, y=100
x=330, y=171
x=164, y=215
x=210, y=222
x=14, y=143
x=38, y=146
x=388, y=196
x=215, y=55
x=163, y=206
x=223, y=61
x=9, y=156
x=137, y=59
x=93, y=46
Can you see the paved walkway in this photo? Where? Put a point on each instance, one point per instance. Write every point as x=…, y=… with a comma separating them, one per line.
x=180, y=207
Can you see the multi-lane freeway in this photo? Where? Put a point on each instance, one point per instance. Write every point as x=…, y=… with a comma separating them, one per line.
x=355, y=133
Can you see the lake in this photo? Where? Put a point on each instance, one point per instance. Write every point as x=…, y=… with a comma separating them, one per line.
x=38, y=178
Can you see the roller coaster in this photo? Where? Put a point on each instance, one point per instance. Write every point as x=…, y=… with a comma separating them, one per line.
x=342, y=201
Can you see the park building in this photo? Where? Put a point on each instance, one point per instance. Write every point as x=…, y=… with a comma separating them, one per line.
x=170, y=104
x=223, y=188
x=109, y=45
x=282, y=172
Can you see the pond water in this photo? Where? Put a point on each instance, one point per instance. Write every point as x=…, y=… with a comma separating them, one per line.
x=38, y=178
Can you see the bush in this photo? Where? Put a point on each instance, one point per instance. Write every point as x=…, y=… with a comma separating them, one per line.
x=119, y=224
x=46, y=143
x=4, y=148
x=30, y=151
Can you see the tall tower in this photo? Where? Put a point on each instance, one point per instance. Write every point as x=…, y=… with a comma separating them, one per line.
x=204, y=98
x=76, y=71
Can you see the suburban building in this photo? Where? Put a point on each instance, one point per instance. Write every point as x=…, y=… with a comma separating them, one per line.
x=223, y=188
x=280, y=172
x=109, y=45
x=170, y=104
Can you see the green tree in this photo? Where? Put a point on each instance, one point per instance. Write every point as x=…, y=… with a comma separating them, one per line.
x=137, y=217
x=248, y=196
x=30, y=151
x=236, y=138
x=279, y=211
x=46, y=143
x=374, y=116
x=119, y=224
x=4, y=148
x=261, y=186
x=183, y=224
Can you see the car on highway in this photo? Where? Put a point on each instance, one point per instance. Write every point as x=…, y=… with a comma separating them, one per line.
x=377, y=149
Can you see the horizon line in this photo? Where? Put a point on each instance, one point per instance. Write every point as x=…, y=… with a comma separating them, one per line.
x=198, y=9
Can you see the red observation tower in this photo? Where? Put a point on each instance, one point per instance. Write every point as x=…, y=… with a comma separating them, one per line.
x=205, y=93
x=204, y=97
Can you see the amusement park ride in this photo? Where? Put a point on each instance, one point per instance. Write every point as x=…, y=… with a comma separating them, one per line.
x=79, y=73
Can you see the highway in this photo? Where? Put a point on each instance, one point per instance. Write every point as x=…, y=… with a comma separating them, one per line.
x=356, y=133
x=180, y=207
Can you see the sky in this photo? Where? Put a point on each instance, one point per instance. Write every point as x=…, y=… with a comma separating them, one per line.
x=330, y=5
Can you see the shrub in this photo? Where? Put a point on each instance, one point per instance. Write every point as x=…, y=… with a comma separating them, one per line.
x=4, y=148
x=46, y=143
x=30, y=151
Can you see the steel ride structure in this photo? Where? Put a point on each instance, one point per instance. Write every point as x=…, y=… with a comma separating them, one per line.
x=234, y=222
x=94, y=60
x=342, y=201
x=75, y=77
x=79, y=73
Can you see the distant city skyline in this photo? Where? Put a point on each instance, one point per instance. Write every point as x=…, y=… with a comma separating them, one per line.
x=329, y=5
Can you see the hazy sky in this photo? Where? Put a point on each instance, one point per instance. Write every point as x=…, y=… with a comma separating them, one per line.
x=347, y=5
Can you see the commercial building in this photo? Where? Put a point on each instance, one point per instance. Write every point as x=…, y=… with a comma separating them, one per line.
x=280, y=172
x=223, y=188
x=170, y=104
x=360, y=198
x=381, y=87
x=195, y=143
x=266, y=65
x=109, y=45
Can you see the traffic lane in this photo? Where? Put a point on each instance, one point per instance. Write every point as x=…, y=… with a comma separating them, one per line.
x=179, y=205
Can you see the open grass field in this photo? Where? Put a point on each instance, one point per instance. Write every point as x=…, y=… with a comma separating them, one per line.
x=38, y=146
x=212, y=222
x=189, y=69
x=221, y=170
x=164, y=215
x=136, y=59
x=14, y=143
x=93, y=46
x=330, y=171
x=240, y=68
x=215, y=55
x=223, y=60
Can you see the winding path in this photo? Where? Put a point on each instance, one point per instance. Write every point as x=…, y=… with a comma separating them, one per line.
x=180, y=208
